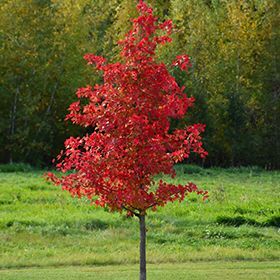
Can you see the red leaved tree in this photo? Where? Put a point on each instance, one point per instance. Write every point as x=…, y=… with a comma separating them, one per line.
x=130, y=115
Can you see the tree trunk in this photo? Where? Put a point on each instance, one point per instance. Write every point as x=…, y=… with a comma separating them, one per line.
x=13, y=122
x=142, y=247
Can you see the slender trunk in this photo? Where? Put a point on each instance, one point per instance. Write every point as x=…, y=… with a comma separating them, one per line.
x=52, y=98
x=48, y=111
x=13, y=121
x=237, y=72
x=234, y=97
x=142, y=247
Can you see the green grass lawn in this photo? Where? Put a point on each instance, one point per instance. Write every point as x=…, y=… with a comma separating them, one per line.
x=184, y=271
x=43, y=227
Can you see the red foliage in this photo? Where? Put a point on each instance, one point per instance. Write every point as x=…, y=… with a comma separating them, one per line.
x=130, y=114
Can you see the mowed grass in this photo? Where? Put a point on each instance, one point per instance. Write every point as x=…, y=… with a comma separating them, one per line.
x=192, y=271
x=42, y=226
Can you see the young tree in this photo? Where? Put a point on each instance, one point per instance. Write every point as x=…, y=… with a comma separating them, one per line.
x=131, y=141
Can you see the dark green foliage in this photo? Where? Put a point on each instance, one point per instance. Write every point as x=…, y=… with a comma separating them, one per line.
x=234, y=47
x=15, y=167
x=189, y=169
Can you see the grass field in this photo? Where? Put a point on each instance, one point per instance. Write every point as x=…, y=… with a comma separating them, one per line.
x=191, y=271
x=43, y=227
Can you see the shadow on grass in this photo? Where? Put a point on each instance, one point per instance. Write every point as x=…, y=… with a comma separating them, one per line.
x=237, y=221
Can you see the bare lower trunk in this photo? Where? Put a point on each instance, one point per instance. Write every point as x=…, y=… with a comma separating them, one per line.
x=142, y=247
x=13, y=121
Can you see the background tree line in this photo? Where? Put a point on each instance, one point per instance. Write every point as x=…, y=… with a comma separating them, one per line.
x=235, y=75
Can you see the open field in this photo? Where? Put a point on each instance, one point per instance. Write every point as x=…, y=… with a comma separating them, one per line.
x=193, y=271
x=43, y=227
